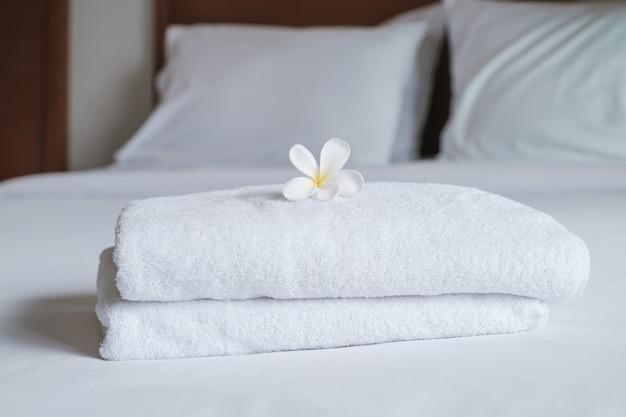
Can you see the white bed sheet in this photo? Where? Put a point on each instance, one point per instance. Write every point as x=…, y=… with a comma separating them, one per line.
x=53, y=227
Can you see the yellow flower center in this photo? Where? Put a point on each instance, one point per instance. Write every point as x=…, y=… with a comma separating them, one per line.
x=319, y=180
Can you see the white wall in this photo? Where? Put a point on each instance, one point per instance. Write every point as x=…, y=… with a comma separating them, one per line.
x=110, y=75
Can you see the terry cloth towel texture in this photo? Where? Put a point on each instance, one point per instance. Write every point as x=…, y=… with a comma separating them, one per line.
x=183, y=329
x=392, y=239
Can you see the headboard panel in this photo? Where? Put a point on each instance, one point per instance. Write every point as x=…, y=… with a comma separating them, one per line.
x=304, y=13
x=276, y=12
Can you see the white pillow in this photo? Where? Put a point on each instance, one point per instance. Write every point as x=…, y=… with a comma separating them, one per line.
x=244, y=94
x=537, y=81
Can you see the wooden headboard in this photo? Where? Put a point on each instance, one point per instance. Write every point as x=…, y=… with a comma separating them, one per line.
x=33, y=82
x=305, y=13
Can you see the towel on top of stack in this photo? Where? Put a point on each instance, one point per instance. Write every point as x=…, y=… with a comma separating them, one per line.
x=408, y=249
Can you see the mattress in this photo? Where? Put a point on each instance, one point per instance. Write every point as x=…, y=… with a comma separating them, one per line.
x=53, y=227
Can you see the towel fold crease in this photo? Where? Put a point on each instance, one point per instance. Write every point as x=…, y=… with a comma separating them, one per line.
x=184, y=329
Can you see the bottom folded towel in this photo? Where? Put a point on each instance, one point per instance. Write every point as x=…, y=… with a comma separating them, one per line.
x=183, y=329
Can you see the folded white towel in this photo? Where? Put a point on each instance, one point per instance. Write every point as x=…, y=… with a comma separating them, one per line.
x=391, y=239
x=158, y=330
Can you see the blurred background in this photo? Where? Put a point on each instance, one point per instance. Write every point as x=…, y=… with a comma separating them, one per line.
x=93, y=55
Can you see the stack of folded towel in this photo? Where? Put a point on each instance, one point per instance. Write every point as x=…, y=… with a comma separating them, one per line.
x=246, y=271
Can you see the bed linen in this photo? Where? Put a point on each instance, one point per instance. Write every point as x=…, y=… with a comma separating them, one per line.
x=355, y=80
x=53, y=227
x=547, y=83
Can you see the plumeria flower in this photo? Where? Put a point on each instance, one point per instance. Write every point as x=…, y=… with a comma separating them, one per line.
x=326, y=180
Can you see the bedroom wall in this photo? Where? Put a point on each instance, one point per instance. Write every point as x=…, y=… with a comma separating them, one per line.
x=110, y=73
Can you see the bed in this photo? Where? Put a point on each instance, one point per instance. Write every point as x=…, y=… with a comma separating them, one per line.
x=54, y=226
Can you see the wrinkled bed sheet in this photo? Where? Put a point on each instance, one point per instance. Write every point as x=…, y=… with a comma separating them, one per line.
x=53, y=227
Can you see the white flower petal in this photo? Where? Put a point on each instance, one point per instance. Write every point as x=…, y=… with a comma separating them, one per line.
x=298, y=188
x=349, y=182
x=327, y=191
x=334, y=155
x=304, y=161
